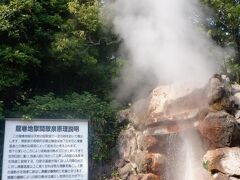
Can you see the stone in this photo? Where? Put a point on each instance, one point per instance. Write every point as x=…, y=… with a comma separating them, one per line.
x=237, y=114
x=150, y=148
x=236, y=134
x=219, y=176
x=157, y=160
x=217, y=128
x=236, y=99
x=150, y=176
x=224, y=160
x=175, y=101
x=125, y=171
x=148, y=162
x=149, y=142
x=136, y=177
x=127, y=143
x=120, y=163
x=235, y=88
x=139, y=158
x=178, y=114
x=234, y=178
x=123, y=116
x=215, y=89
x=219, y=94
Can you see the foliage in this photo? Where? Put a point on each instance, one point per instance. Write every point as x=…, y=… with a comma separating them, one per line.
x=224, y=27
x=25, y=27
x=103, y=124
x=233, y=68
x=54, y=46
x=225, y=22
x=59, y=46
x=83, y=50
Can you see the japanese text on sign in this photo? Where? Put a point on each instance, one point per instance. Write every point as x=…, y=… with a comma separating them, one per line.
x=34, y=150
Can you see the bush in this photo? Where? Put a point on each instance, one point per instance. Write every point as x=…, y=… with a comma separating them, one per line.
x=104, y=128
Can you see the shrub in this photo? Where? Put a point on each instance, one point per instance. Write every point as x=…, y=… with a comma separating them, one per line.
x=103, y=130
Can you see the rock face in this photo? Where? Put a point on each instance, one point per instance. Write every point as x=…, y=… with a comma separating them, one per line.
x=153, y=126
x=222, y=131
x=224, y=161
x=137, y=161
x=127, y=143
x=218, y=128
x=152, y=143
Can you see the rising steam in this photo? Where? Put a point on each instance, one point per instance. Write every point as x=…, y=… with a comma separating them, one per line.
x=163, y=42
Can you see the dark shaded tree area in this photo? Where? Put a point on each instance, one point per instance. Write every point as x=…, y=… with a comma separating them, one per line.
x=57, y=60
x=53, y=46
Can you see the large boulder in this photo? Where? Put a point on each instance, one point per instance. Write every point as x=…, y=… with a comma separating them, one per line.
x=219, y=94
x=174, y=108
x=215, y=89
x=218, y=128
x=165, y=102
x=223, y=162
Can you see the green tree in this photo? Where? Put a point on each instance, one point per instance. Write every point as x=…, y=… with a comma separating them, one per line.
x=104, y=127
x=59, y=46
x=26, y=30
x=62, y=47
x=84, y=50
x=224, y=27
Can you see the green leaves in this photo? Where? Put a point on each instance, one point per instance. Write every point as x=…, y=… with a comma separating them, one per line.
x=13, y=60
x=87, y=14
x=226, y=30
x=103, y=124
x=59, y=46
x=227, y=20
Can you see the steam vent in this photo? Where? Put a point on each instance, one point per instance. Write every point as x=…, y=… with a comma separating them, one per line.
x=182, y=133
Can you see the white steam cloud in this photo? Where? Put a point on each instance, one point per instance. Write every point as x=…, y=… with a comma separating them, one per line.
x=163, y=43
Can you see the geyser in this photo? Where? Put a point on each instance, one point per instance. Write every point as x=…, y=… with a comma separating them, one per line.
x=164, y=43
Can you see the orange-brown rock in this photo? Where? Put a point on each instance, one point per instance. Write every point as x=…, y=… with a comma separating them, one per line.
x=149, y=142
x=224, y=160
x=217, y=128
x=136, y=177
x=148, y=162
x=156, y=160
x=150, y=176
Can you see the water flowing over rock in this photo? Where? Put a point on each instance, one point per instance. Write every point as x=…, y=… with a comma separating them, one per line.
x=169, y=132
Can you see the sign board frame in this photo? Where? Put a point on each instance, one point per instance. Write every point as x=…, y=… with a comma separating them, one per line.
x=32, y=122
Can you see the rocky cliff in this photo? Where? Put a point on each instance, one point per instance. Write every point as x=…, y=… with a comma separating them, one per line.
x=169, y=132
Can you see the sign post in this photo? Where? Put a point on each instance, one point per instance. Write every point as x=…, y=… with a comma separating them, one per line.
x=45, y=149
